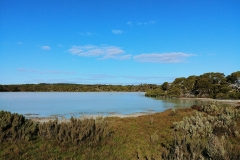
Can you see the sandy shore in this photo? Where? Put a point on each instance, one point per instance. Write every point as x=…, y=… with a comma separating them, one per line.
x=63, y=119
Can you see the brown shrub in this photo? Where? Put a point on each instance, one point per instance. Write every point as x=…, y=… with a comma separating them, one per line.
x=76, y=131
x=196, y=107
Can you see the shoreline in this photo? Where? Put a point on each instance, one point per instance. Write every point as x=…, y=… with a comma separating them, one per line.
x=94, y=116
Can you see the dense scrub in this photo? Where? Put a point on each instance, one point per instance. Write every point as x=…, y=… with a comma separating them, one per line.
x=22, y=135
x=211, y=133
x=15, y=127
x=76, y=131
x=208, y=85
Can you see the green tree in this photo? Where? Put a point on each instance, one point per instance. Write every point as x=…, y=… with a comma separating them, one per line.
x=210, y=84
x=165, y=86
x=235, y=76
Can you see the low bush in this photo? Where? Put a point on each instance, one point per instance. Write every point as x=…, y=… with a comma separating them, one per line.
x=16, y=127
x=75, y=131
x=207, y=134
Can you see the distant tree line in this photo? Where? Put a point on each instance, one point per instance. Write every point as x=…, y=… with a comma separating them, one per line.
x=208, y=85
x=64, y=87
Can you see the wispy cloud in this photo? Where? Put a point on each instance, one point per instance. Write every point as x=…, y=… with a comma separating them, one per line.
x=87, y=34
x=125, y=57
x=103, y=52
x=174, y=57
x=146, y=23
x=46, y=47
x=117, y=31
x=23, y=70
x=130, y=23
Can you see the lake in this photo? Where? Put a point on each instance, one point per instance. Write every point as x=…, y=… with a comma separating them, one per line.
x=67, y=104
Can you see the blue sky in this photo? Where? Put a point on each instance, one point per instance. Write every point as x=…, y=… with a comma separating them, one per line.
x=117, y=41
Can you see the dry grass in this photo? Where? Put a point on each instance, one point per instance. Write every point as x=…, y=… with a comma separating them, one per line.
x=144, y=136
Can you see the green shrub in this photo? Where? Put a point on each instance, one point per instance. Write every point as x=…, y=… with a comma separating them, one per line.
x=16, y=127
x=203, y=135
x=76, y=131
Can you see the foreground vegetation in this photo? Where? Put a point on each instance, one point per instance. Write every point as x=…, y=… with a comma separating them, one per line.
x=208, y=131
x=208, y=85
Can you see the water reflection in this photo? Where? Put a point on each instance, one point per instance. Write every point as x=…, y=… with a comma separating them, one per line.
x=181, y=103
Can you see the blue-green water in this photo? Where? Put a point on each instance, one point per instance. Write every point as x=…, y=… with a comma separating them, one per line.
x=43, y=104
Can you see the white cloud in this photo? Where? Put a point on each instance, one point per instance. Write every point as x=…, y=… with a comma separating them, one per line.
x=130, y=23
x=117, y=31
x=174, y=57
x=46, y=47
x=103, y=52
x=112, y=52
x=87, y=50
x=146, y=23
x=125, y=57
x=87, y=34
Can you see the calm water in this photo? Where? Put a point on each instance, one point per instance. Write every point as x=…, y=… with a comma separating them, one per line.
x=78, y=103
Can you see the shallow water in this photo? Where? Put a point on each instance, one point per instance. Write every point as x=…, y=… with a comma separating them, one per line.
x=66, y=104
